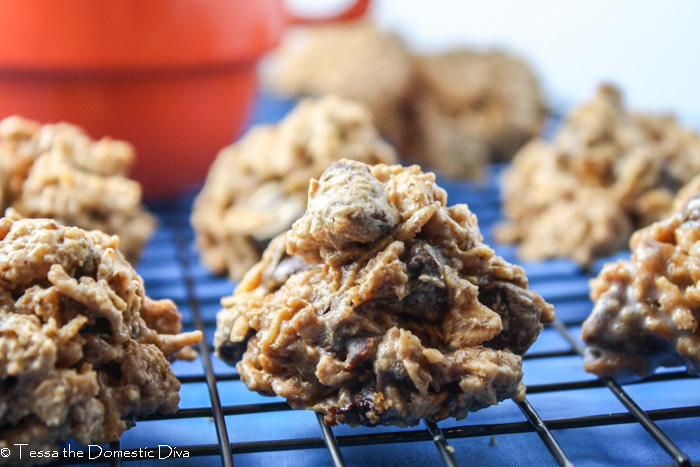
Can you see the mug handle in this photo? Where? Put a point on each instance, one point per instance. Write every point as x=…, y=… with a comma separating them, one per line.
x=357, y=9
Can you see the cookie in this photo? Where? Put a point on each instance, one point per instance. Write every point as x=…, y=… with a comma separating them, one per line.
x=647, y=308
x=381, y=305
x=57, y=171
x=469, y=109
x=355, y=60
x=257, y=187
x=83, y=350
x=606, y=173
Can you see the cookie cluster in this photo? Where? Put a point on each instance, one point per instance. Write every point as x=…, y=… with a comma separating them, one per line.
x=83, y=350
x=257, y=187
x=647, y=309
x=382, y=305
x=607, y=173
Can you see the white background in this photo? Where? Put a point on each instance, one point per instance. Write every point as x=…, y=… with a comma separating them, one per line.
x=651, y=48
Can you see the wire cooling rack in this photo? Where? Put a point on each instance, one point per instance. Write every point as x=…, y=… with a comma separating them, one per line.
x=569, y=417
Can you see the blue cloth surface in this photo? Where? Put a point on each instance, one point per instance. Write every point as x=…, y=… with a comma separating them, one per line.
x=507, y=439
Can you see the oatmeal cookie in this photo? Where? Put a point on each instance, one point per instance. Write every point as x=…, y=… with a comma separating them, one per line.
x=257, y=187
x=469, y=109
x=59, y=172
x=647, y=309
x=607, y=173
x=382, y=305
x=83, y=350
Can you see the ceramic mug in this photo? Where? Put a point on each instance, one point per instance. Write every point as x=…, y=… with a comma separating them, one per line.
x=176, y=78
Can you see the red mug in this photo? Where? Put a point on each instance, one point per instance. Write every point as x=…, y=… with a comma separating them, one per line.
x=176, y=78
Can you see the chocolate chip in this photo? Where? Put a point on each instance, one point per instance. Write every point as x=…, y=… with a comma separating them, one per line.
x=520, y=319
x=428, y=297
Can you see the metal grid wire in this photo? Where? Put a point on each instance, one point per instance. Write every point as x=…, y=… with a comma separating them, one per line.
x=568, y=418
